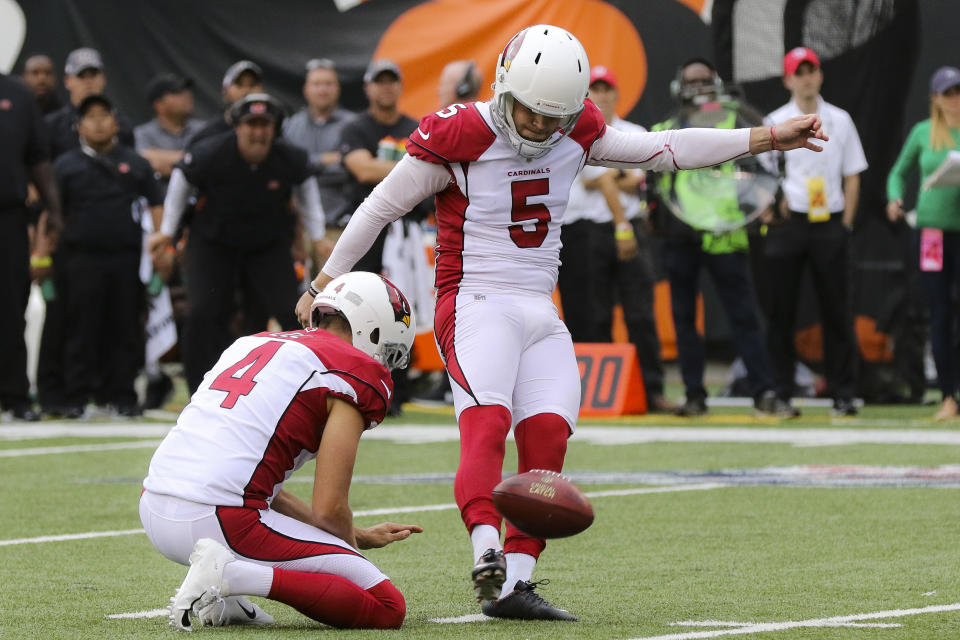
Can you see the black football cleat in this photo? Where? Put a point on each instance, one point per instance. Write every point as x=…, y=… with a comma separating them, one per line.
x=488, y=575
x=523, y=603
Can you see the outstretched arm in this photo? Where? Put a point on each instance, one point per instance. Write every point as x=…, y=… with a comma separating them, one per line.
x=409, y=183
x=694, y=148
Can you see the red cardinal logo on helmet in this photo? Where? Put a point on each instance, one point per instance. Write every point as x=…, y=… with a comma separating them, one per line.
x=401, y=308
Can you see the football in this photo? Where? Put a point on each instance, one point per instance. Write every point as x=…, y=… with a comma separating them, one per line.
x=543, y=504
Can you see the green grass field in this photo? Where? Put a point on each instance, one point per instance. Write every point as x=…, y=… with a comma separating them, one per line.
x=759, y=528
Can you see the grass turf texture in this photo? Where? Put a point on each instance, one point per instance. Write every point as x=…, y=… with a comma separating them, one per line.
x=747, y=554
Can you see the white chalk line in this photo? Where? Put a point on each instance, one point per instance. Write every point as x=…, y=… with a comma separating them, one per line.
x=152, y=613
x=836, y=621
x=600, y=435
x=79, y=448
x=365, y=512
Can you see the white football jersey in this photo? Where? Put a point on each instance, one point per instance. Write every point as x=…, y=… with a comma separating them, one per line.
x=259, y=415
x=498, y=221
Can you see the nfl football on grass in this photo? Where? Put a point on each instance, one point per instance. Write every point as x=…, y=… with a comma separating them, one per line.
x=543, y=504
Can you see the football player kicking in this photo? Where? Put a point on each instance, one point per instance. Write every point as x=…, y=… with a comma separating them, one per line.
x=272, y=402
x=501, y=171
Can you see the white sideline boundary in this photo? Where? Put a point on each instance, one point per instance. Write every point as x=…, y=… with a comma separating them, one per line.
x=367, y=512
x=835, y=621
x=600, y=435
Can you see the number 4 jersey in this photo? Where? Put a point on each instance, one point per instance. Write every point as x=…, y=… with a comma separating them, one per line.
x=259, y=414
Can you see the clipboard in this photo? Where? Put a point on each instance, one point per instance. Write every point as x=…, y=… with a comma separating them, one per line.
x=947, y=174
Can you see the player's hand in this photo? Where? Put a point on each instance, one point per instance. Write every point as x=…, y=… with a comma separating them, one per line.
x=384, y=533
x=798, y=132
x=303, y=309
x=158, y=243
x=895, y=210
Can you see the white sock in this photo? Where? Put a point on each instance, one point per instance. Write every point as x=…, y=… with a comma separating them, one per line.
x=519, y=567
x=483, y=537
x=248, y=579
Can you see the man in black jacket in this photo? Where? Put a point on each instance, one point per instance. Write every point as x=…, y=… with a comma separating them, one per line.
x=106, y=188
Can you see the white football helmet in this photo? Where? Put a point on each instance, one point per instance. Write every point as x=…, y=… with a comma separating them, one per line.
x=379, y=315
x=546, y=69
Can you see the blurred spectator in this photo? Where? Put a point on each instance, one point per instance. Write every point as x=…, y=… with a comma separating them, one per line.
x=605, y=254
x=371, y=145
x=316, y=128
x=241, y=233
x=84, y=76
x=24, y=157
x=162, y=140
x=820, y=201
x=703, y=103
x=938, y=219
x=106, y=187
x=41, y=79
x=460, y=81
x=241, y=79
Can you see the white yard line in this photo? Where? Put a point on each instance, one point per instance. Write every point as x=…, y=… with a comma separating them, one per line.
x=471, y=617
x=836, y=621
x=152, y=613
x=79, y=448
x=363, y=512
x=601, y=435
x=70, y=536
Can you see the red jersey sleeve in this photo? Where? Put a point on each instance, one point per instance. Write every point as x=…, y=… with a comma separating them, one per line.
x=590, y=126
x=455, y=134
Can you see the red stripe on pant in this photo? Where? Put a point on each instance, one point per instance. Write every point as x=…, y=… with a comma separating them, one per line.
x=248, y=536
x=324, y=597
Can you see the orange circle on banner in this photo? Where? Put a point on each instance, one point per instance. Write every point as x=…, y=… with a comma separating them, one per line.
x=428, y=36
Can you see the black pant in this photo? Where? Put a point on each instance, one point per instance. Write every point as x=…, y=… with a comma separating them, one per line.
x=14, y=293
x=938, y=288
x=731, y=276
x=791, y=246
x=268, y=285
x=104, y=333
x=631, y=283
x=576, y=281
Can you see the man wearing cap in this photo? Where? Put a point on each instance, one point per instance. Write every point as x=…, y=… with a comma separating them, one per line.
x=24, y=159
x=316, y=129
x=106, y=189
x=820, y=202
x=372, y=144
x=41, y=79
x=162, y=140
x=242, y=229
x=83, y=76
x=241, y=79
x=605, y=256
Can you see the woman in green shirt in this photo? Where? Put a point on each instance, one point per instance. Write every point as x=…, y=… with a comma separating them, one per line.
x=938, y=219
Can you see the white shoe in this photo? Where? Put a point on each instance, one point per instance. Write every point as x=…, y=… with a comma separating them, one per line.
x=233, y=610
x=204, y=583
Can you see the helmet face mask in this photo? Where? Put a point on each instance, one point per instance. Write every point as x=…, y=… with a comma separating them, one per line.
x=380, y=318
x=545, y=68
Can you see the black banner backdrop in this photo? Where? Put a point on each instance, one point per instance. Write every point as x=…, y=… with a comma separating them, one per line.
x=874, y=79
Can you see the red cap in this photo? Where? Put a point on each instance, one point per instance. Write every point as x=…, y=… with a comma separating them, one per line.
x=600, y=73
x=796, y=57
